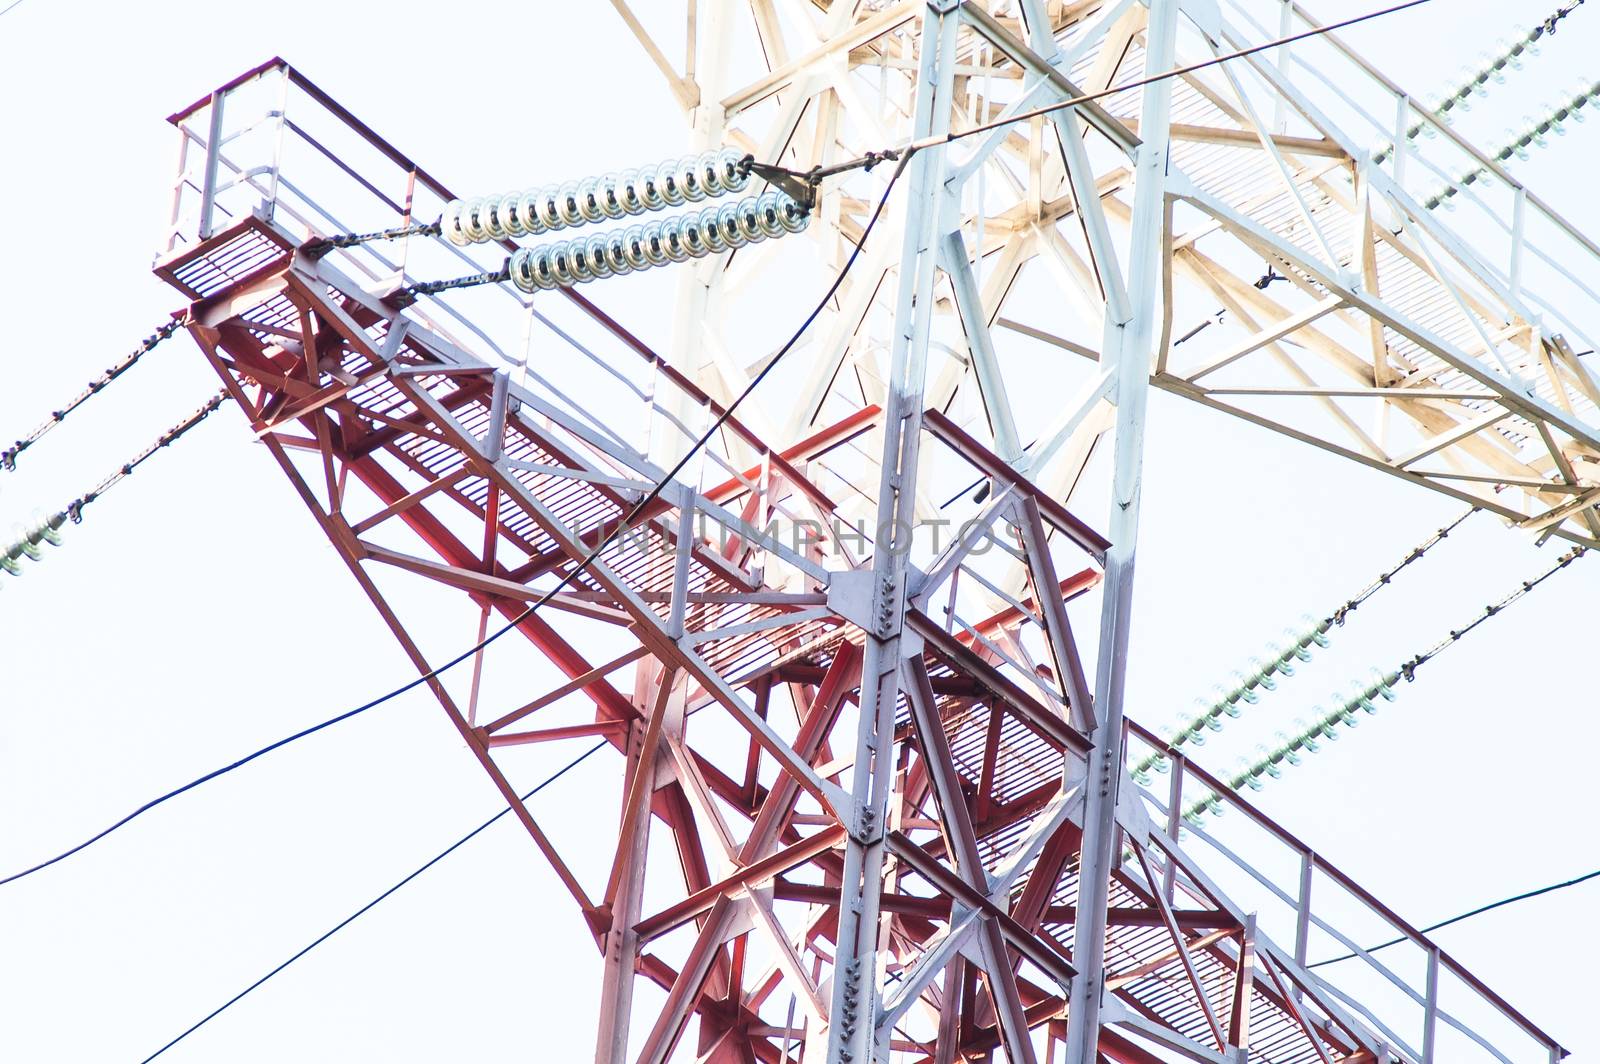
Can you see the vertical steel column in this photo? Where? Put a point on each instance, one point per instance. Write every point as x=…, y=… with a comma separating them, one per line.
x=1302, y=917
x=277, y=146
x=852, y=1018
x=1128, y=350
x=621, y=943
x=699, y=284
x=208, y=184
x=710, y=52
x=1430, y=1015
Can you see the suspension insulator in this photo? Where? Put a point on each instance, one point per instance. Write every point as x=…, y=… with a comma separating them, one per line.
x=614, y=195
x=1305, y=738
x=1518, y=143
x=1242, y=688
x=709, y=231
x=1288, y=748
x=29, y=540
x=1268, y=758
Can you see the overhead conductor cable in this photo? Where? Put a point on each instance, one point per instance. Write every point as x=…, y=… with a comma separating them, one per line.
x=576, y=203
x=31, y=539
x=1262, y=675
x=902, y=157
x=625, y=523
x=1269, y=762
x=8, y=457
x=621, y=528
x=375, y=902
x=1491, y=71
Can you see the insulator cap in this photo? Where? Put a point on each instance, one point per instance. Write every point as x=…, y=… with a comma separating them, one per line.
x=27, y=541
x=709, y=231
x=689, y=179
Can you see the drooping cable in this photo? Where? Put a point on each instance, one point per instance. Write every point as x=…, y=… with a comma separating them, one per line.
x=369, y=906
x=1469, y=914
x=501, y=217
x=1261, y=676
x=8, y=457
x=622, y=527
x=1269, y=762
x=166, y=439
x=46, y=531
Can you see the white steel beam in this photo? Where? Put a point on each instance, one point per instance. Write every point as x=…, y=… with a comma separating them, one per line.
x=853, y=1036
x=1128, y=346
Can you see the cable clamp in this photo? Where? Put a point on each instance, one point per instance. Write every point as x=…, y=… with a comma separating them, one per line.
x=873, y=158
x=802, y=188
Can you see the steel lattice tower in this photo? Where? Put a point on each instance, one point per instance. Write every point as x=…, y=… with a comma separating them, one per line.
x=871, y=803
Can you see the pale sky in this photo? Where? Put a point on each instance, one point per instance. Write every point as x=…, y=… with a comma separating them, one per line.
x=198, y=612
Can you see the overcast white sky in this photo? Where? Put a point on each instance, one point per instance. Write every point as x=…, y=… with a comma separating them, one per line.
x=198, y=612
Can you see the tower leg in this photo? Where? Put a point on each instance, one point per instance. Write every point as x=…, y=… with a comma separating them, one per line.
x=1128, y=348
x=852, y=1030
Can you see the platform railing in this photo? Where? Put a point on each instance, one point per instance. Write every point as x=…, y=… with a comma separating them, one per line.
x=1517, y=240
x=272, y=149
x=1413, y=992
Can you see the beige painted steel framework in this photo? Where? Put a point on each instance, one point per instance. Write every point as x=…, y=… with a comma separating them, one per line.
x=870, y=802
